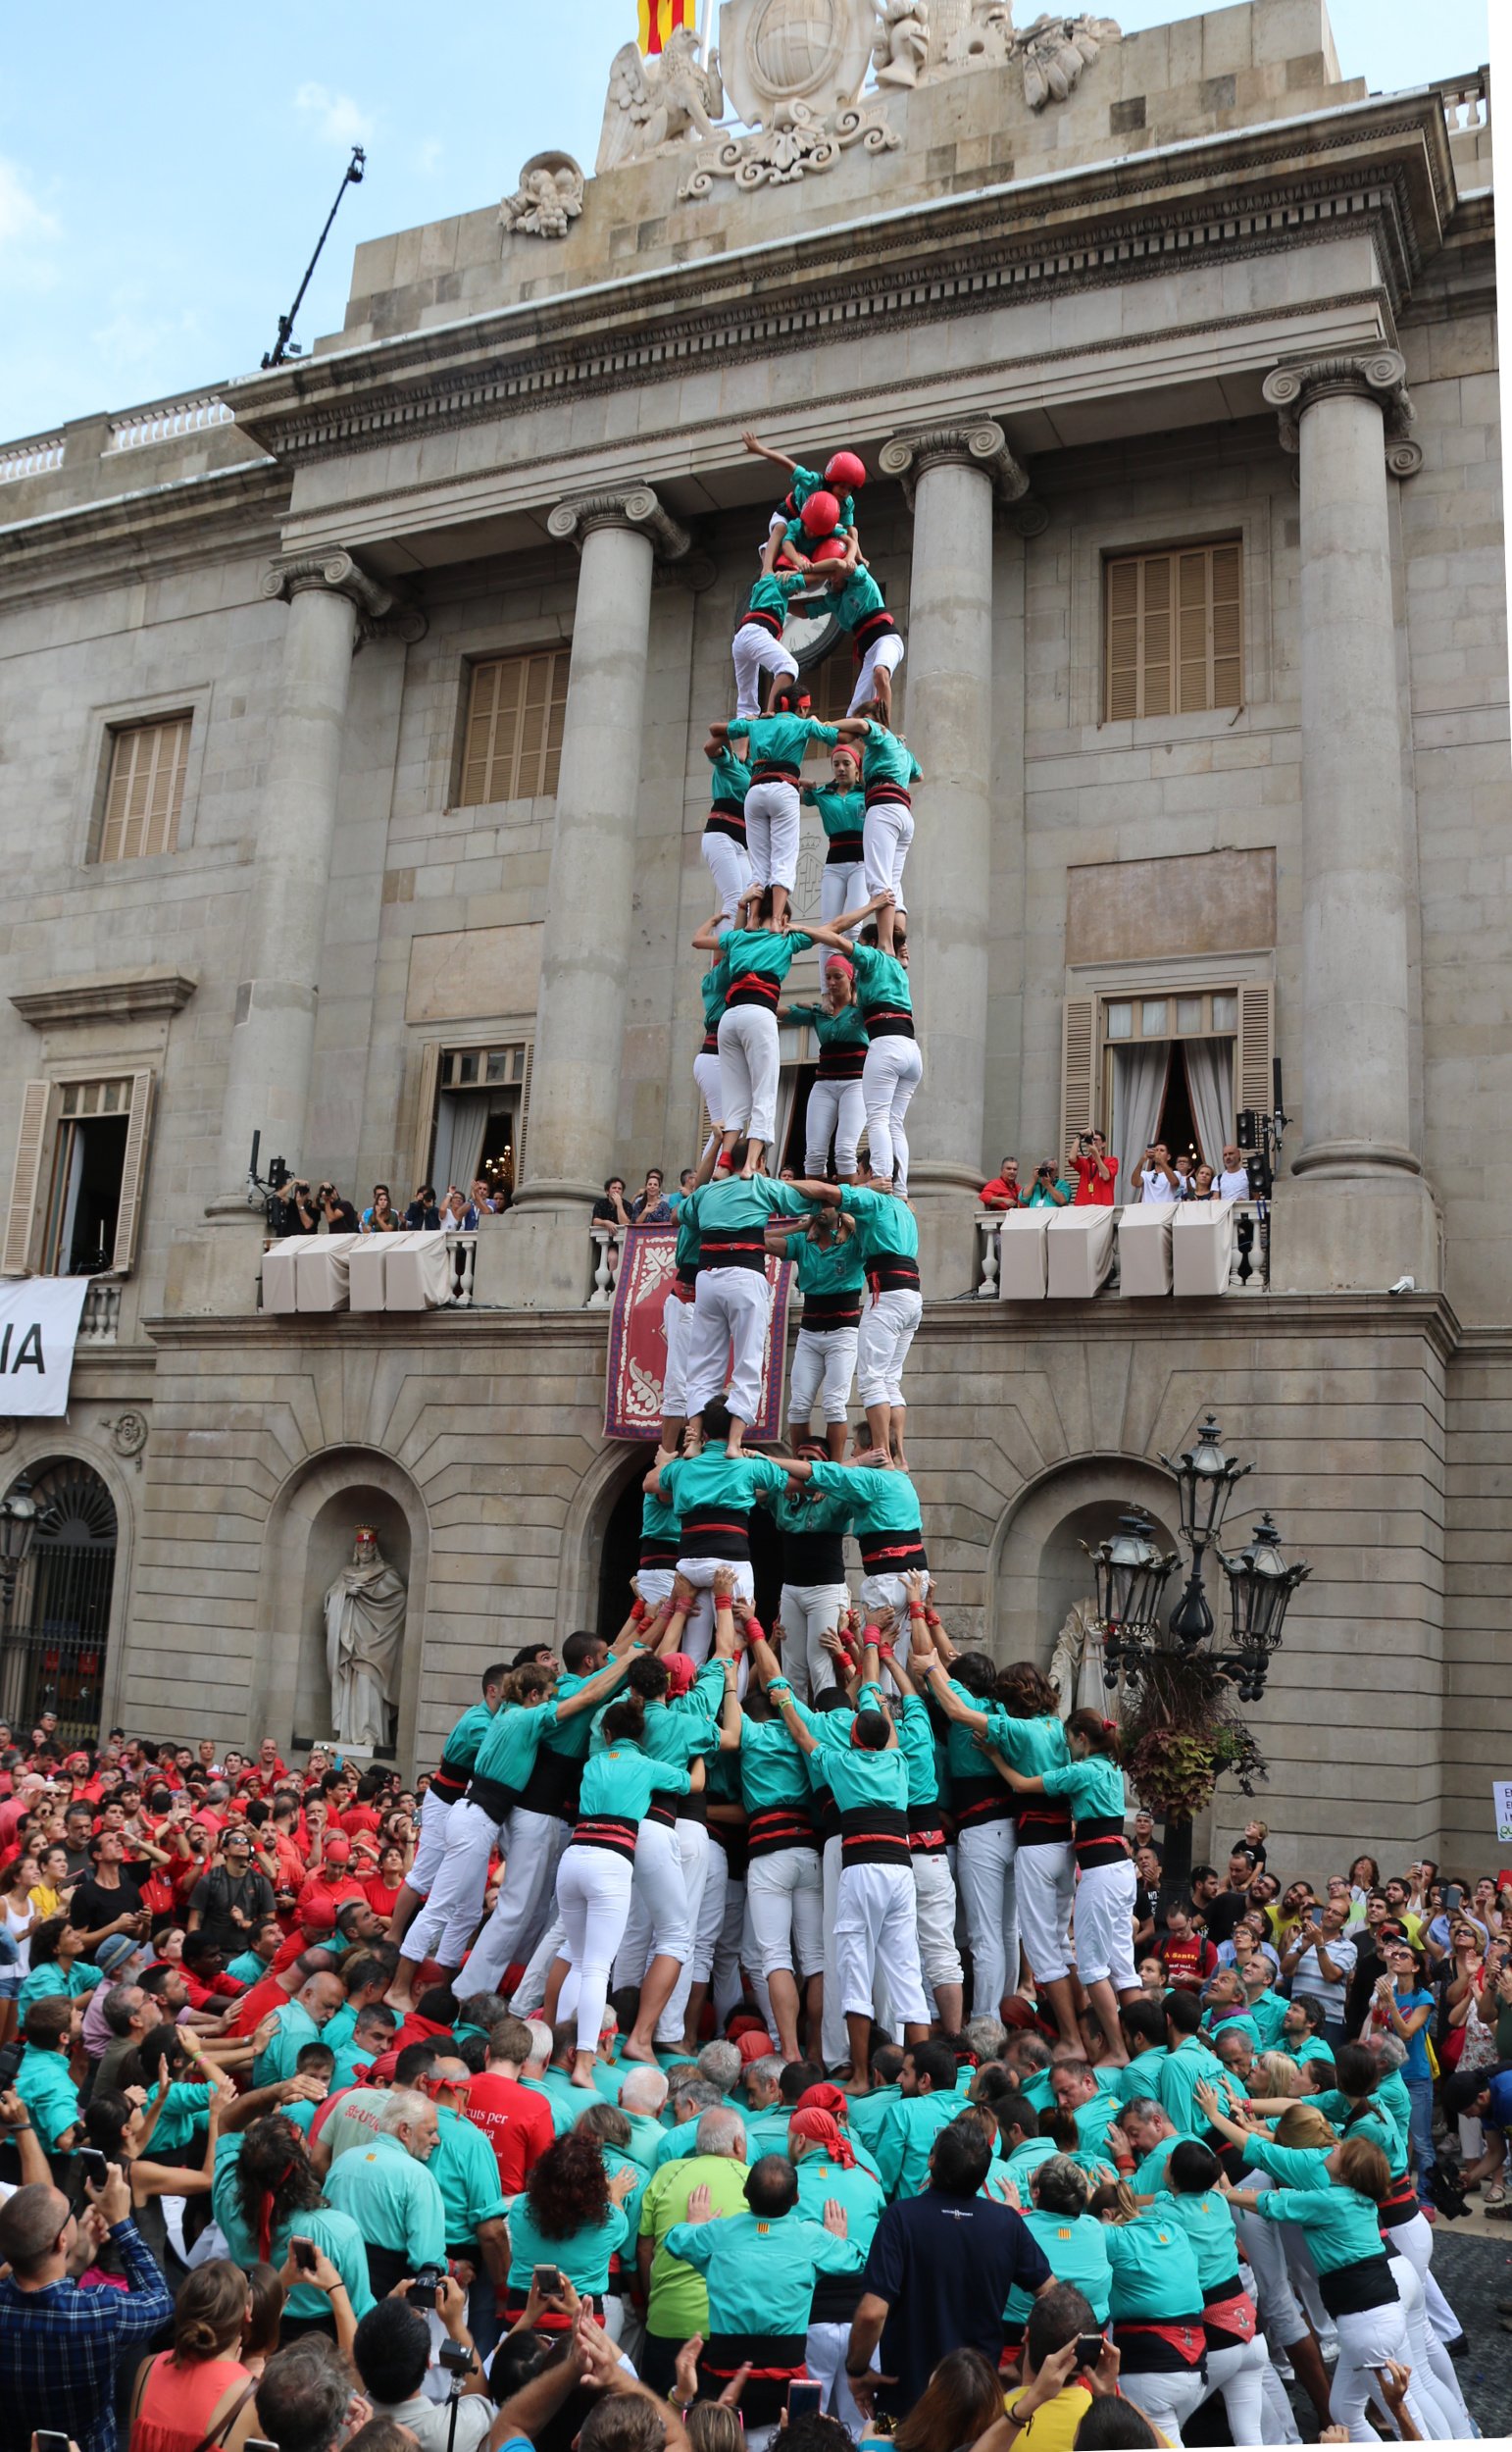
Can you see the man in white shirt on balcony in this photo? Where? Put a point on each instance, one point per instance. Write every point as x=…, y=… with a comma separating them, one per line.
x=1233, y=1176
x=1158, y=1176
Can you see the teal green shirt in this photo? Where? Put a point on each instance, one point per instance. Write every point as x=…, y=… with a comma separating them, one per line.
x=459, y=1752
x=248, y=1968
x=1268, y=2013
x=856, y=1777
x=714, y=987
x=718, y=1209
x=567, y=1737
x=858, y=2189
x=509, y=1750
x=1137, y=2082
x=840, y=812
x=1035, y=1747
x=1154, y=2268
x=860, y=598
x=621, y=1781
x=773, y=589
x=916, y=1741
x=887, y=758
x=1343, y=2228
x=760, y=2272
x=675, y=1734
x=1040, y=1195
x=1190, y=2065
x=1094, y=1788
x=466, y=2172
x=1149, y=2173
x=801, y=1509
x=772, y=1771
x=880, y=1500
x=584, y=2257
x=904, y=2143
x=658, y=1520
x=714, y=1479
x=885, y=1226
x=1372, y=2120
x=1076, y=2250
x=394, y=2200
x=779, y=740
x=48, y=2092
x=1209, y=2226
x=829, y=1269
x=186, y=2115
x=333, y=2232
x=834, y=1029
x=1290, y=2167
x=730, y=778
x=294, y=2029
x=52, y=1982
x=868, y=2113
x=881, y=979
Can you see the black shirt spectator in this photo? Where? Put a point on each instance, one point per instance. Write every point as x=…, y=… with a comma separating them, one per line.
x=234, y=1885
x=940, y=2268
x=422, y=1214
x=339, y=1215
x=107, y=1893
x=610, y=1209
x=1231, y=1904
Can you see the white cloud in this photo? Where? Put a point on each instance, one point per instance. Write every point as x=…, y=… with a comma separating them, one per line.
x=26, y=231
x=338, y=119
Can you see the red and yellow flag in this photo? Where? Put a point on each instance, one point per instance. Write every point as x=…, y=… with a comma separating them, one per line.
x=660, y=20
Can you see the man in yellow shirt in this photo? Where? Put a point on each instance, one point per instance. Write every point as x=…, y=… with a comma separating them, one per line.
x=1057, y=2390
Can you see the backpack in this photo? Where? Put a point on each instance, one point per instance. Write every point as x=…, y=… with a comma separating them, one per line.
x=1445, y=2188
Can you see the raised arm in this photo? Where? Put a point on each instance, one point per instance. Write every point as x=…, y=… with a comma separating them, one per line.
x=933, y=1671
x=763, y=452
x=780, y=1693
x=708, y=937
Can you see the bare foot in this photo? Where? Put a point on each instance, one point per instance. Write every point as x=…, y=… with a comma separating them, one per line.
x=631, y=2049
x=582, y=2072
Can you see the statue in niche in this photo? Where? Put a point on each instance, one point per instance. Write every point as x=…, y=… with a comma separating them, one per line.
x=363, y=1611
x=1077, y=1671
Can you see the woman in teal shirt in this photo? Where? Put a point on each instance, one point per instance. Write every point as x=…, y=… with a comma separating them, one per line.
x=571, y=2214
x=1237, y=2361
x=889, y=770
x=757, y=959
x=723, y=835
x=842, y=814
x=58, y=1966
x=776, y=744
x=1094, y=1786
x=1075, y=2242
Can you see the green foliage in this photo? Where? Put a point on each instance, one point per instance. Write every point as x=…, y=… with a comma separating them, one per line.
x=1181, y=1732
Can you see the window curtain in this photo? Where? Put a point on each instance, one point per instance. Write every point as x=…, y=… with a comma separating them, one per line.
x=460, y=1121
x=1140, y=1075
x=1210, y=1089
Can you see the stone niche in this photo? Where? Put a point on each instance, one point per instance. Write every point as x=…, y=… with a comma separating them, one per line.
x=309, y=1540
x=1042, y=1569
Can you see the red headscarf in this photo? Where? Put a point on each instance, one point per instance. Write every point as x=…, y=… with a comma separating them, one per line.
x=824, y=2129
x=825, y=2097
x=680, y=1672
x=754, y=2044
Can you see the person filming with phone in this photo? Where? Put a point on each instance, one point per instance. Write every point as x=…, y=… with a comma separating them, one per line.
x=1094, y=1170
x=62, y=2341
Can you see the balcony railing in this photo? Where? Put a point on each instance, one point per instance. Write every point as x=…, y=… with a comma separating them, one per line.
x=100, y=1319
x=170, y=425
x=408, y=1272
x=30, y=459
x=1103, y=1271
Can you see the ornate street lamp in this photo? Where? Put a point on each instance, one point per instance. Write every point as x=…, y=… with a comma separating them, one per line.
x=1132, y=1573
x=18, y=1523
x=1260, y=1589
x=1205, y=1479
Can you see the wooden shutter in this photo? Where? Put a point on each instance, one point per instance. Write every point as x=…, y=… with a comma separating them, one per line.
x=524, y=1110
x=133, y=1172
x=145, y=792
x=424, y=1116
x=1173, y=633
x=38, y=1111
x=517, y=710
x=1078, y=1051
x=1256, y=1046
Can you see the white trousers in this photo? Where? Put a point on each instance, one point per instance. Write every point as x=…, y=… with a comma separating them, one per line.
x=886, y=835
x=658, y=1925
x=750, y=1067
x=889, y=1077
x=698, y=1626
x=839, y=890
x=886, y=652
x=771, y=817
x=678, y=1331
x=886, y=1592
x=1366, y=2341
x=784, y=1901
x=709, y=1074
x=729, y=1947
x=755, y=651
x=452, y=1913
x=1168, y=2398
x=733, y=1309
x=528, y=1995
x=809, y=1611
x=824, y=1366
x=983, y=1871
x=935, y=1905
x=1265, y=2252
x=877, y=1926
x=824, y=2353
x=729, y=863
x=833, y=2038
x=836, y=1111
x=1239, y=2375
x=593, y=1893
x=1435, y=2383
x=430, y=1845
x=1105, y=1898
x=533, y=1846
x=1044, y=1878
x=890, y=1323
x=696, y=1853
x=712, y=1903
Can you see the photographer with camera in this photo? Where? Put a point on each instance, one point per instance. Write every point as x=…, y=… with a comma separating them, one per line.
x=424, y=1211
x=392, y=2355
x=1048, y=1191
x=301, y=1213
x=1158, y=1178
x=339, y=1215
x=1094, y=1172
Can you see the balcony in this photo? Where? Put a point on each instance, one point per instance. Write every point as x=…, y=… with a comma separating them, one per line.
x=407, y=1272
x=1195, y=1248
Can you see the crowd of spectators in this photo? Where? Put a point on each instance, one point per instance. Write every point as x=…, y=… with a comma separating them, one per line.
x=1089, y=1177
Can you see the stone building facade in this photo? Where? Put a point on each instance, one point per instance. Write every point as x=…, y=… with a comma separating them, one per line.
x=1194, y=309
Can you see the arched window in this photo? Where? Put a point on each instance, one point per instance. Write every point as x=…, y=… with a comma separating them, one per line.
x=55, y=1642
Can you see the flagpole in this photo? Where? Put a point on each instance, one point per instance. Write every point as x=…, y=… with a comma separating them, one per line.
x=708, y=29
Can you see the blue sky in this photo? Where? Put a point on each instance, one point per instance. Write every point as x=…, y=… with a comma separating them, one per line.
x=164, y=173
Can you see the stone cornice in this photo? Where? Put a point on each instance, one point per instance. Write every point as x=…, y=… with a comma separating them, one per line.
x=1236, y=193
x=621, y=506
x=114, y=997
x=161, y=529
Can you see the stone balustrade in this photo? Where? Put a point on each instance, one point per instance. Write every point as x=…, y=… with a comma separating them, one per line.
x=606, y=1242
x=1247, y=1273
x=100, y=1319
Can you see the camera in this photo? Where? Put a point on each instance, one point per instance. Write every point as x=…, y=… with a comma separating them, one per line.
x=456, y=2358
x=423, y=2290
x=1083, y=1141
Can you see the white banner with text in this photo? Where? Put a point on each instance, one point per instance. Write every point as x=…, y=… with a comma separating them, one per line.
x=38, y=1330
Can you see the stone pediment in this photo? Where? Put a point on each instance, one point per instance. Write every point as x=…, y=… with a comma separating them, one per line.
x=112, y=996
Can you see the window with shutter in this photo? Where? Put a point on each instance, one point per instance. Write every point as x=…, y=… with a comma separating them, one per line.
x=1256, y=1047
x=133, y=1172
x=1078, y=1048
x=144, y=792
x=36, y=1115
x=1173, y=631
x=512, y=745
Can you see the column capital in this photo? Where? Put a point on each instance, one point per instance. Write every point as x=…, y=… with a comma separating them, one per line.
x=1378, y=374
x=333, y=568
x=982, y=445
x=621, y=506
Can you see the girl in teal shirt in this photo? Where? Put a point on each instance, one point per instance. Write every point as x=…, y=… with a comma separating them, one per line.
x=1094, y=1786
x=571, y=2214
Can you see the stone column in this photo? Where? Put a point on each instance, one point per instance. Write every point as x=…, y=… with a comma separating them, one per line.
x=1359, y=1215
x=952, y=475
x=273, y=1034
x=541, y=1259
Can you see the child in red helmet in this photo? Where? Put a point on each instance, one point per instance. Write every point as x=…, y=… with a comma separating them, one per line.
x=843, y=477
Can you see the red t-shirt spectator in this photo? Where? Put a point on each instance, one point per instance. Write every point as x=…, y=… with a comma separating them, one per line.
x=328, y=1890
x=1189, y=1962
x=361, y=1817
x=1094, y=1190
x=1000, y=1193
x=203, y=1996
x=379, y=1897
x=517, y=2123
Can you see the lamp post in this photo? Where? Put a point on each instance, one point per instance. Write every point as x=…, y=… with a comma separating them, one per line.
x=18, y=1525
x=1132, y=1573
x=1204, y=1478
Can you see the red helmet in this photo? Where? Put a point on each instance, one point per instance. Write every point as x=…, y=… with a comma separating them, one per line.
x=820, y=515
x=829, y=549
x=845, y=470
